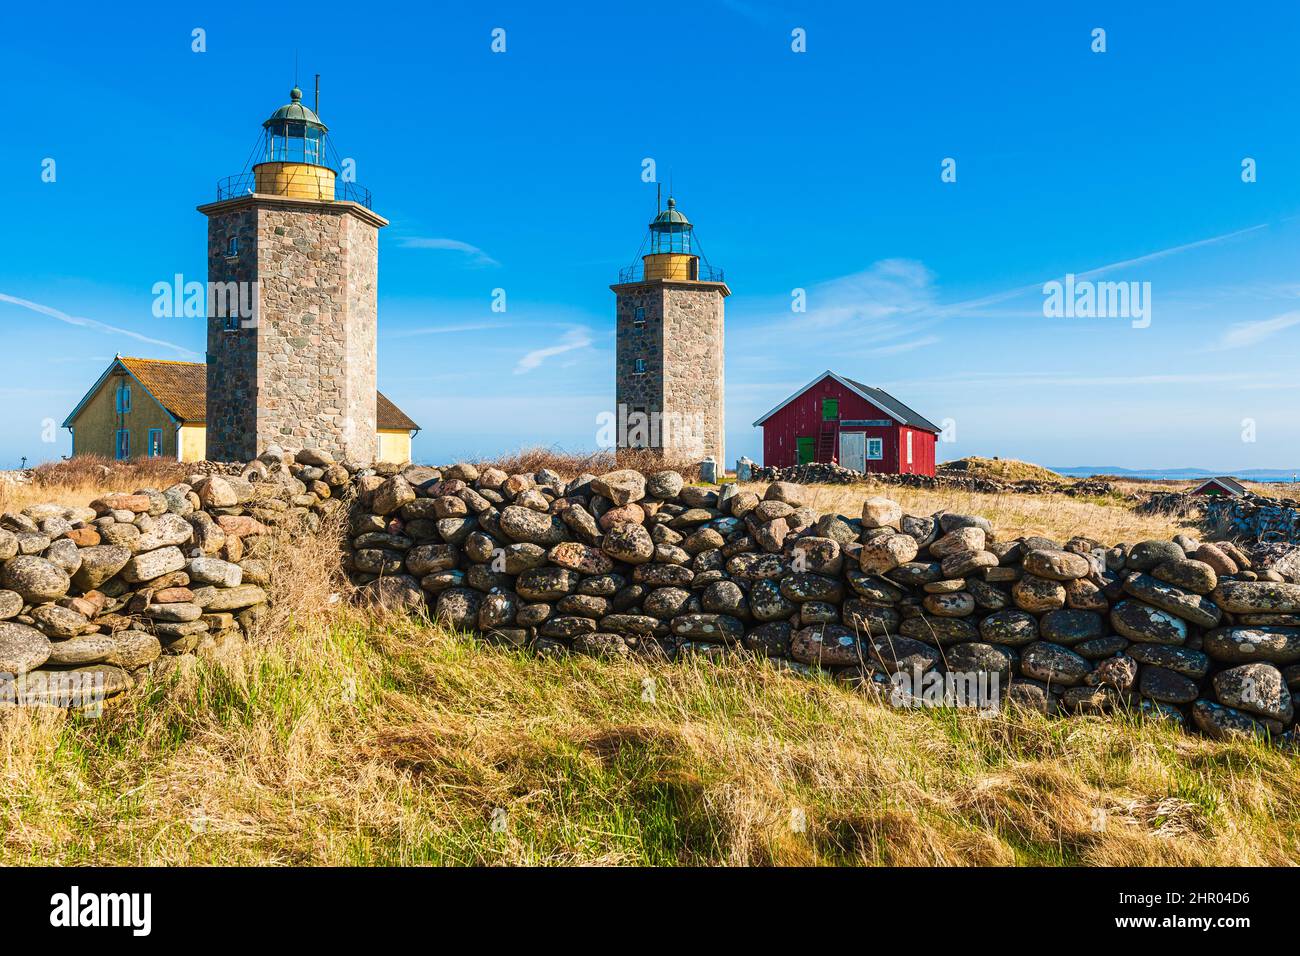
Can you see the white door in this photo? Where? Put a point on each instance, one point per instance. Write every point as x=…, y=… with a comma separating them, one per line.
x=853, y=450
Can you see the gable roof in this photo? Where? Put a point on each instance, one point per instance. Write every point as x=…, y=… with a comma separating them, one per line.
x=181, y=388
x=388, y=416
x=1230, y=485
x=881, y=399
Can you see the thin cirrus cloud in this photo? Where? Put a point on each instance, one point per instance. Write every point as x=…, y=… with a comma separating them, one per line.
x=971, y=306
x=1242, y=335
x=444, y=329
x=577, y=338
x=82, y=322
x=475, y=255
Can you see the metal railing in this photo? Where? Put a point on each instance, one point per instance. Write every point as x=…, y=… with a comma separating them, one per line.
x=245, y=185
x=706, y=273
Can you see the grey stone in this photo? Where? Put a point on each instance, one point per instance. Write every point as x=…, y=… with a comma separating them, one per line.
x=22, y=648
x=153, y=564
x=34, y=578
x=1053, y=664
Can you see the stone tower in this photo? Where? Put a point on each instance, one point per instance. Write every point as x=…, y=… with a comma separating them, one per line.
x=293, y=258
x=669, y=330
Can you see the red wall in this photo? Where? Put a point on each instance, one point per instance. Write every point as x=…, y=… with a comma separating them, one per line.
x=803, y=416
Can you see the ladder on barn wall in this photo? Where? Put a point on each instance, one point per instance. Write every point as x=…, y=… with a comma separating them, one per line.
x=826, y=440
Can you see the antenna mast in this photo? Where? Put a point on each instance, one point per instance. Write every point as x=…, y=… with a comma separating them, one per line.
x=318, y=94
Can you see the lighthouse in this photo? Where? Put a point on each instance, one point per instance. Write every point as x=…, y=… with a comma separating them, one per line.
x=293, y=258
x=669, y=351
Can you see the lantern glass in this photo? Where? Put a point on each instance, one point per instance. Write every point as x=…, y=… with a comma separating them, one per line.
x=295, y=143
x=671, y=239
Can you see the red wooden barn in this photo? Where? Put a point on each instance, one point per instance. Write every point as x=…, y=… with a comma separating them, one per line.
x=836, y=418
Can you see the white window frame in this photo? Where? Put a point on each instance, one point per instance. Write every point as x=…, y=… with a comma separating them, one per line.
x=879, y=445
x=909, y=448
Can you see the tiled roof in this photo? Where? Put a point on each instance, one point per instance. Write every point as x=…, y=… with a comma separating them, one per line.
x=388, y=415
x=182, y=389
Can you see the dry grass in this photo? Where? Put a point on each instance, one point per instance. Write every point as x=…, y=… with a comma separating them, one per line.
x=572, y=464
x=364, y=740
x=1000, y=469
x=76, y=481
x=1055, y=516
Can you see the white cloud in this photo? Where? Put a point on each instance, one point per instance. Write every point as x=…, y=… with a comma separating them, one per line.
x=95, y=324
x=442, y=330
x=901, y=347
x=476, y=255
x=966, y=307
x=1244, y=334
x=576, y=338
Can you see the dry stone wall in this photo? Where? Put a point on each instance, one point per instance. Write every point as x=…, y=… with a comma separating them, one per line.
x=94, y=599
x=629, y=564
x=826, y=473
x=911, y=609
x=1255, y=517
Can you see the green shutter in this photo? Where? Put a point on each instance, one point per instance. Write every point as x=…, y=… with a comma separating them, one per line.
x=805, y=449
x=830, y=409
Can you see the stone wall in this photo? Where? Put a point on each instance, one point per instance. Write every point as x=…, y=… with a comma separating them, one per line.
x=693, y=361
x=1254, y=517
x=232, y=354
x=914, y=610
x=94, y=599
x=305, y=374
x=633, y=390
x=895, y=605
x=826, y=473
x=681, y=342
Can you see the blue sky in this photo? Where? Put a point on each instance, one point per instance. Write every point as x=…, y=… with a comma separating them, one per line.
x=817, y=170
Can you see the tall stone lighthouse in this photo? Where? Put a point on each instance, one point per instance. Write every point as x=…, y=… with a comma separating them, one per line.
x=669, y=330
x=293, y=259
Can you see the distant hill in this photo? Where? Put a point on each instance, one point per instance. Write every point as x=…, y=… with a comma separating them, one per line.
x=1001, y=469
x=1189, y=474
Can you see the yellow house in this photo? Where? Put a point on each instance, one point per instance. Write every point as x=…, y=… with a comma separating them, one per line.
x=152, y=408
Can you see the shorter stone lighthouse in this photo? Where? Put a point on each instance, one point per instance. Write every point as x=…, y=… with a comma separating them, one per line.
x=293, y=259
x=669, y=332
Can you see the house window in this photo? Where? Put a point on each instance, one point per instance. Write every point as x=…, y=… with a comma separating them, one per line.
x=232, y=247
x=124, y=398
x=875, y=449
x=122, y=444
x=155, y=442
x=639, y=316
x=639, y=366
x=909, y=448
